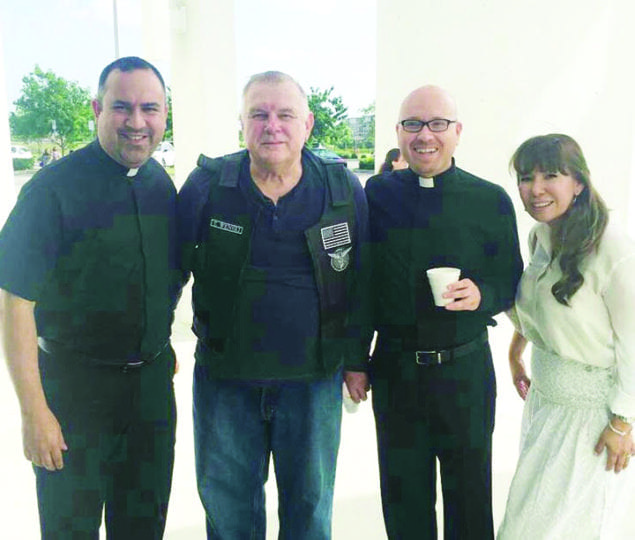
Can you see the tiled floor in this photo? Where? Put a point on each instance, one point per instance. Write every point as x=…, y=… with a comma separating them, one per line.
x=357, y=510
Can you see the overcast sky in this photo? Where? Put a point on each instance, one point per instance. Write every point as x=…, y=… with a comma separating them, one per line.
x=321, y=43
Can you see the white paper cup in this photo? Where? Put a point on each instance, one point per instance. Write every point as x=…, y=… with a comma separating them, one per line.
x=439, y=279
x=349, y=405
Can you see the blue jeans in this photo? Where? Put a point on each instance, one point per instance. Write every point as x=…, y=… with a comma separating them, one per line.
x=238, y=425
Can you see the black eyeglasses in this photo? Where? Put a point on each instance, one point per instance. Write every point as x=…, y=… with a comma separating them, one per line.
x=437, y=125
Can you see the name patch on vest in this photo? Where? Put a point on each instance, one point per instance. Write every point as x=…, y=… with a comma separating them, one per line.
x=223, y=226
x=335, y=236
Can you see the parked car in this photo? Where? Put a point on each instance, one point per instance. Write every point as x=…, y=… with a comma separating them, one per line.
x=20, y=152
x=164, y=154
x=328, y=155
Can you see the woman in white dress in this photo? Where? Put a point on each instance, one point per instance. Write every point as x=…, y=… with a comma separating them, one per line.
x=576, y=305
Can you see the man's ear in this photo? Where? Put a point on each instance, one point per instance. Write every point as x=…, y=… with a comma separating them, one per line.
x=96, y=107
x=310, y=121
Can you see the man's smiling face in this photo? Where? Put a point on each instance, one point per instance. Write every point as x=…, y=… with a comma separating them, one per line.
x=131, y=116
x=429, y=153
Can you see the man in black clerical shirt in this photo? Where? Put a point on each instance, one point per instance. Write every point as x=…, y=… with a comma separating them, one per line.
x=87, y=276
x=433, y=379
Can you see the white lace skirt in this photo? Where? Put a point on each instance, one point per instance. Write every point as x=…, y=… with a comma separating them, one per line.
x=561, y=490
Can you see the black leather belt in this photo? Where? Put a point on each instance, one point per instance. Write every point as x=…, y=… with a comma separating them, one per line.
x=433, y=358
x=58, y=349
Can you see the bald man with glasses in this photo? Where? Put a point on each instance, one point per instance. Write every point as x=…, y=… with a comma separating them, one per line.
x=433, y=380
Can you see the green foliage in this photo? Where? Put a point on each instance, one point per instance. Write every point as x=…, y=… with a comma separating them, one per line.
x=49, y=101
x=367, y=163
x=346, y=154
x=329, y=113
x=22, y=164
x=169, y=132
x=370, y=110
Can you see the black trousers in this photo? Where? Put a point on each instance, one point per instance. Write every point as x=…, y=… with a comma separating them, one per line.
x=422, y=414
x=119, y=426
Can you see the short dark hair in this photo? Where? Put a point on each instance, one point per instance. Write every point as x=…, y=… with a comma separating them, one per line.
x=125, y=63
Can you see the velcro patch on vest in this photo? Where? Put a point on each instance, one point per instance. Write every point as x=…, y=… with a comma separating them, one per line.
x=336, y=236
x=224, y=226
x=340, y=259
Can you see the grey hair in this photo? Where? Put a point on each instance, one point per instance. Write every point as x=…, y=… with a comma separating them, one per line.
x=272, y=77
x=275, y=77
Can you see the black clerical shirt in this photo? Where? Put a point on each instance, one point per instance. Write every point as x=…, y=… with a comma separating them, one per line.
x=461, y=221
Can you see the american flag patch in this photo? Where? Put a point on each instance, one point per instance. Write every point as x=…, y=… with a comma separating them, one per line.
x=336, y=236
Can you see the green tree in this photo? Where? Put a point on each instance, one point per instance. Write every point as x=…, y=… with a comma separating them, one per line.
x=50, y=107
x=169, y=133
x=330, y=114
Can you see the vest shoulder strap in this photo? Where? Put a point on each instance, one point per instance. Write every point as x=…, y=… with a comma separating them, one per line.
x=223, y=170
x=339, y=184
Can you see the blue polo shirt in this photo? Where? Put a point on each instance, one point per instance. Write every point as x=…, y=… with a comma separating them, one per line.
x=278, y=306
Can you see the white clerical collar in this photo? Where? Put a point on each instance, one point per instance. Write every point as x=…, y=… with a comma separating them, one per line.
x=426, y=182
x=132, y=172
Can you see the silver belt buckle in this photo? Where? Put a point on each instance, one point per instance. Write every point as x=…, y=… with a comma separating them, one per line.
x=133, y=365
x=437, y=353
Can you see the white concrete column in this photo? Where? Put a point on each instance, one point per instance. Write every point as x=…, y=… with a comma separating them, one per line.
x=156, y=34
x=7, y=182
x=203, y=80
x=518, y=69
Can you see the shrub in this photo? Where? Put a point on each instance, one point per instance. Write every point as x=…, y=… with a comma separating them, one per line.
x=346, y=153
x=367, y=163
x=22, y=164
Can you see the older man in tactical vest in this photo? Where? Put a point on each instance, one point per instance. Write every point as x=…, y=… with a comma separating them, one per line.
x=274, y=237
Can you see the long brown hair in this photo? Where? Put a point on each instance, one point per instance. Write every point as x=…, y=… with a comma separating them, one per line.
x=578, y=233
x=392, y=155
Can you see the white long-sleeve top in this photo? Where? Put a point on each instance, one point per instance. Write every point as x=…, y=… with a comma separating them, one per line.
x=598, y=328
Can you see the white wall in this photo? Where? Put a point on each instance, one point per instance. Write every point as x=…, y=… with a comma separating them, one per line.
x=156, y=34
x=518, y=69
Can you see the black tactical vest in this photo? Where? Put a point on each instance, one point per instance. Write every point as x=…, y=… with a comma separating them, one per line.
x=223, y=250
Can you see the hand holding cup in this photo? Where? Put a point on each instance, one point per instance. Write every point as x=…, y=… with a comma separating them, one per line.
x=439, y=279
